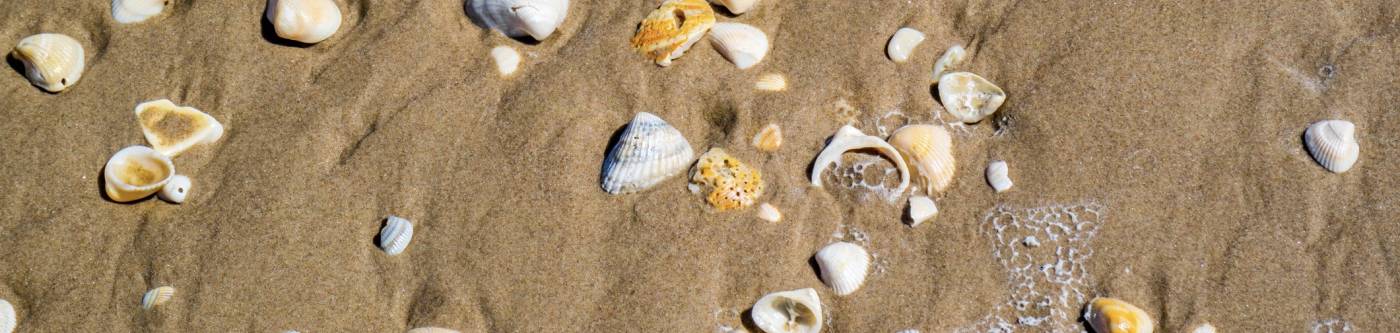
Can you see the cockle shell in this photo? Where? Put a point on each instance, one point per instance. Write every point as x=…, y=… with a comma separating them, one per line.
x=768, y=139
x=921, y=208
x=771, y=82
x=843, y=266
x=1111, y=315
x=306, y=21
x=743, y=44
x=951, y=60
x=902, y=44
x=648, y=151
x=929, y=149
x=157, y=296
x=737, y=6
x=768, y=212
x=134, y=11
x=1332, y=144
x=519, y=18
x=849, y=138
x=794, y=311
x=670, y=30
x=53, y=62
x=998, y=177
x=175, y=190
x=8, y=319
x=727, y=182
x=395, y=235
x=172, y=129
x=432, y=330
x=969, y=97
x=136, y=172
x=507, y=60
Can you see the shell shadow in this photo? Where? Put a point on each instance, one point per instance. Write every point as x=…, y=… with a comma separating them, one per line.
x=270, y=34
x=816, y=268
x=608, y=151
x=374, y=239
x=746, y=319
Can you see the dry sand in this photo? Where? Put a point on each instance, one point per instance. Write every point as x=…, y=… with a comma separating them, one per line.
x=1177, y=124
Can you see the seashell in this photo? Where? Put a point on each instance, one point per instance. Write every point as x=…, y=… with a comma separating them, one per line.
x=53, y=62
x=902, y=44
x=306, y=21
x=519, y=18
x=769, y=213
x=908, y=331
x=849, y=138
x=648, y=151
x=157, y=296
x=771, y=82
x=135, y=11
x=172, y=129
x=136, y=172
x=432, y=330
x=1204, y=328
x=843, y=266
x=395, y=235
x=768, y=139
x=1111, y=315
x=794, y=311
x=969, y=97
x=921, y=208
x=997, y=176
x=742, y=44
x=951, y=59
x=729, y=182
x=737, y=7
x=670, y=30
x=1332, y=144
x=175, y=190
x=507, y=59
x=8, y=319
x=929, y=149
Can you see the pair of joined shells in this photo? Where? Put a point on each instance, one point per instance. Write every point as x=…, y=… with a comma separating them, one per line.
x=649, y=151
x=998, y=176
x=306, y=21
x=843, y=266
x=135, y=11
x=395, y=235
x=969, y=97
x=742, y=44
x=672, y=29
x=902, y=44
x=157, y=296
x=519, y=18
x=1111, y=315
x=849, y=138
x=1332, y=143
x=929, y=149
x=794, y=311
x=52, y=61
x=727, y=182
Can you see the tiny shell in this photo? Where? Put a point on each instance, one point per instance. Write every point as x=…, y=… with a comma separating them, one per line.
x=432, y=330
x=768, y=139
x=771, y=82
x=969, y=97
x=648, y=152
x=795, y=311
x=157, y=296
x=1110, y=315
x=395, y=235
x=134, y=11
x=519, y=18
x=53, y=62
x=908, y=331
x=951, y=60
x=507, y=60
x=769, y=213
x=727, y=182
x=172, y=129
x=1204, y=328
x=742, y=44
x=136, y=172
x=843, y=266
x=737, y=6
x=849, y=138
x=306, y=21
x=997, y=176
x=1332, y=144
x=175, y=190
x=8, y=319
x=921, y=208
x=670, y=30
x=902, y=44
x=929, y=149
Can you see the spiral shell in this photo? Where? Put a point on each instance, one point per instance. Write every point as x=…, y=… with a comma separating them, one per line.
x=648, y=152
x=1332, y=144
x=52, y=61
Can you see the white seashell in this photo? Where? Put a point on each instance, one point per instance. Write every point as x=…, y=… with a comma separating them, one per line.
x=743, y=44
x=172, y=129
x=157, y=296
x=1332, y=144
x=951, y=59
x=306, y=21
x=53, y=62
x=997, y=176
x=902, y=44
x=432, y=330
x=1204, y=328
x=844, y=266
x=519, y=18
x=849, y=138
x=795, y=311
x=769, y=213
x=929, y=149
x=8, y=319
x=395, y=235
x=908, y=331
x=968, y=96
x=134, y=11
x=136, y=172
x=507, y=59
x=648, y=152
x=771, y=82
x=921, y=208
x=737, y=6
x=175, y=190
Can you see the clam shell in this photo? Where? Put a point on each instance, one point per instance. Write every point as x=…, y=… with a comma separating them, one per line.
x=395, y=235
x=306, y=21
x=432, y=330
x=1332, y=144
x=134, y=11
x=648, y=151
x=997, y=176
x=670, y=30
x=175, y=190
x=727, y=182
x=8, y=319
x=768, y=212
x=902, y=44
x=929, y=149
x=794, y=311
x=507, y=60
x=771, y=82
x=742, y=44
x=157, y=296
x=849, y=138
x=843, y=266
x=1113, y=315
x=969, y=97
x=53, y=62
x=951, y=59
x=136, y=172
x=921, y=208
x=768, y=139
x=172, y=129
x=519, y=18
x=737, y=6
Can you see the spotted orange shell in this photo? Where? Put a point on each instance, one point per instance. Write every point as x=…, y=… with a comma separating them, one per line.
x=730, y=183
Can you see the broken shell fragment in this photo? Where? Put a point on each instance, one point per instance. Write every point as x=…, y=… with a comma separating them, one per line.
x=929, y=149
x=768, y=212
x=519, y=18
x=969, y=97
x=507, y=59
x=134, y=11
x=172, y=129
x=670, y=30
x=997, y=176
x=795, y=311
x=136, y=172
x=951, y=60
x=921, y=208
x=742, y=44
x=395, y=235
x=53, y=62
x=1332, y=143
x=726, y=182
x=157, y=296
x=843, y=267
x=648, y=151
x=771, y=82
x=175, y=190
x=902, y=44
x=768, y=139
x=849, y=138
x=8, y=319
x=737, y=6
x=1111, y=315
x=306, y=21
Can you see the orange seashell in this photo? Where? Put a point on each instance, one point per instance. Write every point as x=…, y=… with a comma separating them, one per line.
x=727, y=182
x=670, y=30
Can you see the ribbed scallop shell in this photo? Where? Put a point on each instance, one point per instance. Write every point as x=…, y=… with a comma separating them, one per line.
x=902, y=44
x=849, y=138
x=670, y=30
x=768, y=139
x=1111, y=315
x=1332, y=143
x=794, y=311
x=737, y=6
x=742, y=44
x=8, y=319
x=432, y=330
x=172, y=129
x=507, y=60
x=133, y=11
x=771, y=82
x=52, y=61
x=306, y=21
x=648, y=152
x=537, y=19
x=395, y=235
x=921, y=209
x=951, y=60
x=998, y=175
x=929, y=149
x=157, y=296
x=969, y=97
x=843, y=266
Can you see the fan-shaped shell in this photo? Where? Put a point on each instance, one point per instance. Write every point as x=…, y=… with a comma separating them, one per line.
x=670, y=30
x=157, y=296
x=134, y=11
x=395, y=235
x=648, y=151
x=742, y=44
x=136, y=172
x=768, y=139
x=951, y=60
x=737, y=6
x=969, y=97
x=52, y=61
x=1111, y=315
x=172, y=129
x=8, y=319
x=998, y=175
x=902, y=44
x=843, y=266
x=794, y=311
x=1332, y=144
x=771, y=82
x=849, y=138
x=507, y=60
x=921, y=209
x=306, y=21
x=519, y=18
x=175, y=190
x=929, y=149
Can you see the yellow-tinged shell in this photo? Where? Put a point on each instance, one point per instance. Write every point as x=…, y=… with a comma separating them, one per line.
x=768, y=139
x=1111, y=315
x=672, y=29
x=136, y=172
x=929, y=149
x=171, y=129
x=969, y=97
x=770, y=82
x=53, y=62
x=726, y=182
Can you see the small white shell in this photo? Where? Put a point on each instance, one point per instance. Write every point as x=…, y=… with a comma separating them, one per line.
x=771, y=82
x=903, y=43
x=849, y=138
x=507, y=59
x=795, y=311
x=737, y=6
x=53, y=62
x=172, y=129
x=432, y=330
x=306, y=21
x=844, y=266
x=395, y=235
x=1204, y=328
x=1332, y=144
x=908, y=331
x=8, y=319
x=519, y=18
x=769, y=213
x=648, y=152
x=157, y=296
x=136, y=172
x=969, y=97
x=951, y=60
x=743, y=44
x=134, y=11
x=997, y=176
x=175, y=190
x=921, y=208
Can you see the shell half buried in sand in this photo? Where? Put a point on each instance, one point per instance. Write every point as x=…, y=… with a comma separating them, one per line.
x=395, y=235
x=849, y=138
x=969, y=97
x=843, y=267
x=1332, y=143
x=648, y=151
x=998, y=175
x=519, y=18
x=8, y=319
x=771, y=82
x=742, y=44
x=726, y=182
x=672, y=29
x=172, y=129
x=902, y=44
x=157, y=296
x=53, y=62
x=768, y=139
x=135, y=11
x=951, y=60
x=794, y=311
x=136, y=172
x=1111, y=315
x=306, y=21
x=507, y=60
x=929, y=149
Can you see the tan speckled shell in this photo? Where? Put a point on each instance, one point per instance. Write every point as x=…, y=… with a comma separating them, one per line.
x=662, y=40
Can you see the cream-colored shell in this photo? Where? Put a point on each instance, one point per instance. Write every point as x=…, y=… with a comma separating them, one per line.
x=8, y=319
x=1332, y=143
x=771, y=82
x=537, y=19
x=648, y=152
x=52, y=61
x=969, y=97
x=770, y=213
x=136, y=172
x=921, y=209
x=849, y=138
x=395, y=235
x=742, y=44
x=432, y=330
x=902, y=44
x=306, y=21
x=1111, y=315
x=843, y=267
x=951, y=60
x=157, y=296
x=998, y=175
x=1204, y=328
x=929, y=149
x=172, y=129
x=507, y=60
x=175, y=190
x=769, y=138
x=794, y=311
x=134, y=11
x=737, y=6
